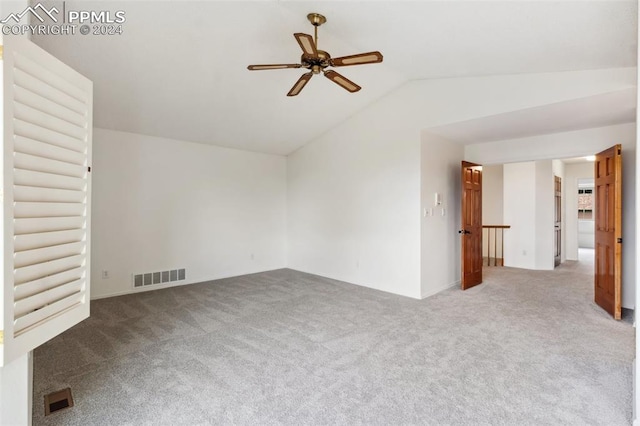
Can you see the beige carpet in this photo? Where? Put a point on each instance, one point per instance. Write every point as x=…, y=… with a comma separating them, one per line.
x=285, y=347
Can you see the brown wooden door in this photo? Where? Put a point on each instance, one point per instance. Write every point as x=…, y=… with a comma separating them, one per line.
x=608, y=224
x=471, y=231
x=557, y=240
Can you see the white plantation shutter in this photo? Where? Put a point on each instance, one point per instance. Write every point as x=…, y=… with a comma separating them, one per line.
x=47, y=126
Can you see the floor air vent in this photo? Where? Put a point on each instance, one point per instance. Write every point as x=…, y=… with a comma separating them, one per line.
x=150, y=278
x=57, y=401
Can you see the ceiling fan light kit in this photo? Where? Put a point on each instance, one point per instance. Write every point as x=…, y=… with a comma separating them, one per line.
x=317, y=61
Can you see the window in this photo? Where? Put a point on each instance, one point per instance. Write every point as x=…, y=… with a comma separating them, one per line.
x=585, y=203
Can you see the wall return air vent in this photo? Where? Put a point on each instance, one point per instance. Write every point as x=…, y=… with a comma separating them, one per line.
x=161, y=277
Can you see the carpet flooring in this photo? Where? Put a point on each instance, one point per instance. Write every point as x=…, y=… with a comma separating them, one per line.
x=284, y=347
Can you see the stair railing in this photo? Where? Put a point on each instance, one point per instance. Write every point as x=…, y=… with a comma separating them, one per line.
x=493, y=240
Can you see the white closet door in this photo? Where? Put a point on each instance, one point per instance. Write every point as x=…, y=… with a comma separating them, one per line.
x=46, y=190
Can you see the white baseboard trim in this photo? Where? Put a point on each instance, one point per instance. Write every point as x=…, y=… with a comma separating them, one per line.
x=435, y=291
x=175, y=284
x=332, y=277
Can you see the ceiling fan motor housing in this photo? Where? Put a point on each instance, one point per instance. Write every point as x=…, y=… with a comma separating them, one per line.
x=317, y=63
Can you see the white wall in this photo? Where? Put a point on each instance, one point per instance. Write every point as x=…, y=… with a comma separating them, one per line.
x=544, y=206
x=435, y=102
x=160, y=204
x=528, y=209
x=16, y=379
x=493, y=205
x=353, y=193
x=492, y=194
x=574, y=171
x=577, y=144
x=492, y=209
x=520, y=214
x=353, y=205
x=586, y=233
x=441, y=162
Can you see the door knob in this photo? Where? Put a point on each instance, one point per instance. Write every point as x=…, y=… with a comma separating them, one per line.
x=464, y=231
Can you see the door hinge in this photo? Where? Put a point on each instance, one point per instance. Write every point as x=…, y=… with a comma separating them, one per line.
x=619, y=240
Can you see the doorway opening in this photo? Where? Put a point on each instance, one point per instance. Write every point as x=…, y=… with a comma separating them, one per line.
x=531, y=201
x=549, y=206
x=586, y=217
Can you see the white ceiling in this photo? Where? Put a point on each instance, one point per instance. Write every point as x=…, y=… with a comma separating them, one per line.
x=586, y=183
x=576, y=160
x=594, y=111
x=179, y=69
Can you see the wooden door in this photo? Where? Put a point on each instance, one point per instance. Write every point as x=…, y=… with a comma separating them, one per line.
x=471, y=231
x=557, y=240
x=608, y=224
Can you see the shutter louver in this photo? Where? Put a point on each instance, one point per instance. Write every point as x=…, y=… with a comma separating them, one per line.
x=47, y=152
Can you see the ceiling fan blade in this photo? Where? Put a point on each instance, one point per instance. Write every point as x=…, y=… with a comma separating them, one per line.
x=307, y=44
x=342, y=81
x=359, y=59
x=302, y=81
x=272, y=67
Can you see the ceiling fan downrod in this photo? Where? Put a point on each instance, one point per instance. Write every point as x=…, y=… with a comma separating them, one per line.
x=316, y=20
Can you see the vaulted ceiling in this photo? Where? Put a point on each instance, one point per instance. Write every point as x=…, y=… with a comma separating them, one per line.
x=600, y=110
x=179, y=68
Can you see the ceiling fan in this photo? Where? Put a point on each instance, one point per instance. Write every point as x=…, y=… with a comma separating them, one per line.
x=317, y=60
